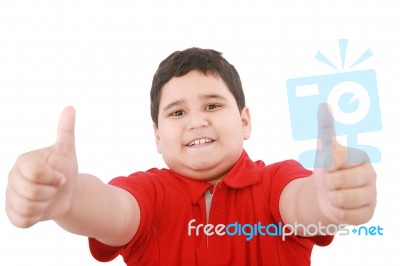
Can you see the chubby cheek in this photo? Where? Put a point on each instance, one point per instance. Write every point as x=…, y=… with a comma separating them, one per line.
x=233, y=131
x=168, y=140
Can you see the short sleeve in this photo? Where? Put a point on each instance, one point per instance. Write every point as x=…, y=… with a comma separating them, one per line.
x=148, y=190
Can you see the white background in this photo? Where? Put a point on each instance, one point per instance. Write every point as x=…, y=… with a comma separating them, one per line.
x=100, y=56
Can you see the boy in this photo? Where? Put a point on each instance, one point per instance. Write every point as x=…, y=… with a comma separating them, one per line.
x=192, y=213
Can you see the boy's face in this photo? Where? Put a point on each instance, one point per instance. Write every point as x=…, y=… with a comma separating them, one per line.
x=200, y=130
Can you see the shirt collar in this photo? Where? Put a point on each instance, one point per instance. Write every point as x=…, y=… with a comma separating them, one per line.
x=244, y=173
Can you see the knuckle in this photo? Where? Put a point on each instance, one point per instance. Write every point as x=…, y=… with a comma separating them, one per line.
x=24, y=158
x=25, y=190
x=26, y=208
x=17, y=219
x=30, y=166
x=339, y=198
x=22, y=222
x=12, y=173
x=33, y=193
x=337, y=181
x=341, y=214
x=370, y=198
x=35, y=173
x=370, y=173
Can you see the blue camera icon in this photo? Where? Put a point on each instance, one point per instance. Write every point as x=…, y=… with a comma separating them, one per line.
x=353, y=97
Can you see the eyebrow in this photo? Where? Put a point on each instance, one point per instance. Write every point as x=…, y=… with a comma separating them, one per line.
x=201, y=97
x=174, y=103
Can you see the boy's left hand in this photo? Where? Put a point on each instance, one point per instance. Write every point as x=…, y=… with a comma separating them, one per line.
x=344, y=177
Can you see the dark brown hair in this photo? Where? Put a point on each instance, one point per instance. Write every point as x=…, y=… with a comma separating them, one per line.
x=207, y=61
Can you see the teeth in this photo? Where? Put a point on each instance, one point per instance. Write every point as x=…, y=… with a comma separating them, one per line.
x=200, y=141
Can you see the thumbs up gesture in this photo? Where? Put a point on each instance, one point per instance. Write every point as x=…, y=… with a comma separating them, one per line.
x=344, y=178
x=41, y=183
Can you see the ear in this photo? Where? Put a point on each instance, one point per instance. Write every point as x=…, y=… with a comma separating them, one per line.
x=246, y=122
x=157, y=137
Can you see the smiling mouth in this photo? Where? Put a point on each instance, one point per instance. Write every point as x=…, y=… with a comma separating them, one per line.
x=200, y=141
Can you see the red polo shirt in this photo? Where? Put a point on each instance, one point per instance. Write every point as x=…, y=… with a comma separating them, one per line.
x=248, y=194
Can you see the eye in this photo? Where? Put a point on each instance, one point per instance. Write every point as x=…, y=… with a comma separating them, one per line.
x=212, y=107
x=177, y=113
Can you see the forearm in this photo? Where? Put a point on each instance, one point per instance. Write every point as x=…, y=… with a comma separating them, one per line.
x=101, y=211
x=305, y=204
x=299, y=204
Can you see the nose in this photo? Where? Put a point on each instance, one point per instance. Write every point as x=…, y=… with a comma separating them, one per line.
x=197, y=120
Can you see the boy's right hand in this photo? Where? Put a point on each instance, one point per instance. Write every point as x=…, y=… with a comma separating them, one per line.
x=41, y=183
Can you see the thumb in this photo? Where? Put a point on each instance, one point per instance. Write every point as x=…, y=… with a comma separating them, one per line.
x=65, y=133
x=326, y=137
